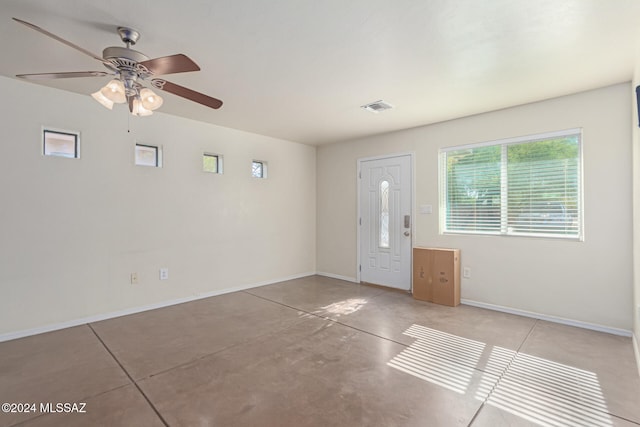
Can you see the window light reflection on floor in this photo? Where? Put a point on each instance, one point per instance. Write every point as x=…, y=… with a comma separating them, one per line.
x=499, y=360
x=551, y=394
x=440, y=358
x=345, y=307
x=536, y=389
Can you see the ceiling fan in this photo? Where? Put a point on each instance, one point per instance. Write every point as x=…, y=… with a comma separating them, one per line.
x=130, y=69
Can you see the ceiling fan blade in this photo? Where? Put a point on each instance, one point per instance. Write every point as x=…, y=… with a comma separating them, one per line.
x=61, y=40
x=170, y=64
x=186, y=93
x=65, y=75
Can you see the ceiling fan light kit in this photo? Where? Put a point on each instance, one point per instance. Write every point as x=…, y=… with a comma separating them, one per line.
x=129, y=69
x=98, y=96
x=150, y=100
x=114, y=91
x=137, y=108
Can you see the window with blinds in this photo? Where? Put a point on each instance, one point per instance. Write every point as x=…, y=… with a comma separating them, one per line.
x=527, y=186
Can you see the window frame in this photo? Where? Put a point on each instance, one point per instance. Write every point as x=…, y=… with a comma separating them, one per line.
x=264, y=169
x=76, y=142
x=158, y=156
x=219, y=163
x=504, y=143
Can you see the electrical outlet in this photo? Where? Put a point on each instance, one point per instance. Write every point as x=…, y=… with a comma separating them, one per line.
x=466, y=273
x=164, y=273
x=134, y=278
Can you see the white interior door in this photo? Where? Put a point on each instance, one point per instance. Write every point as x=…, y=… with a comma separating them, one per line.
x=386, y=222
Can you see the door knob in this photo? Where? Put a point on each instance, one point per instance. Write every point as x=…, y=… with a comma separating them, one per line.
x=407, y=233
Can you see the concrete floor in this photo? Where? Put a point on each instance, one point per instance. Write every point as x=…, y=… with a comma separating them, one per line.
x=321, y=352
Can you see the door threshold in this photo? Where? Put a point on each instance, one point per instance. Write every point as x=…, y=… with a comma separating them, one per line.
x=387, y=288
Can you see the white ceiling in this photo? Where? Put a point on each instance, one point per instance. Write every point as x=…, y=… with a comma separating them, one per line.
x=301, y=69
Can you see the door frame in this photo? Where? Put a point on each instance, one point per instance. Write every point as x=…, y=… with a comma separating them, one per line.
x=412, y=209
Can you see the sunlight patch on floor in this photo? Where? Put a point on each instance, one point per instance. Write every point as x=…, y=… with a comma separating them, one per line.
x=348, y=306
x=440, y=358
x=536, y=389
x=550, y=394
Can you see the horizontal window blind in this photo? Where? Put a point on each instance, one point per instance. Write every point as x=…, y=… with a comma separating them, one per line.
x=473, y=189
x=529, y=186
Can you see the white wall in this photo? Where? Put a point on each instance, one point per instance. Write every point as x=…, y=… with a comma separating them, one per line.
x=72, y=231
x=636, y=212
x=588, y=281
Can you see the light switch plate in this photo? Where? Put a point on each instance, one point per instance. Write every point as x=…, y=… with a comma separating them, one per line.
x=164, y=273
x=426, y=209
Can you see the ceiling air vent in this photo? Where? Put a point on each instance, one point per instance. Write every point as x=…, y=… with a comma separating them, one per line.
x=378, y=106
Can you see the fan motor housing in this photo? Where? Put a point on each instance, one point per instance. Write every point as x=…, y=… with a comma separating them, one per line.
x=123, y=57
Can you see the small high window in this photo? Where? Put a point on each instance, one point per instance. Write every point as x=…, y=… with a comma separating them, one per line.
x=259, y=169
x=148, y=155
x=61, y=144
x=212, y=163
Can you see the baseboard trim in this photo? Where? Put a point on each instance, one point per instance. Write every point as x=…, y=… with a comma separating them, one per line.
x=337, y=276
x=133, y=310
x=554, y=319
x=636, y=351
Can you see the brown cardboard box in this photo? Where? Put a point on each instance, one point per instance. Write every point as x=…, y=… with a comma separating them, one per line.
x=436, y=275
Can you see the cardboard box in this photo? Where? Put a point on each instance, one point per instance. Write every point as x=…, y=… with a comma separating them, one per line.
x=436, y=275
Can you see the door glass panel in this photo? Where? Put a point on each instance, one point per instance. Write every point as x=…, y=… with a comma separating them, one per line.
x=384, y=214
